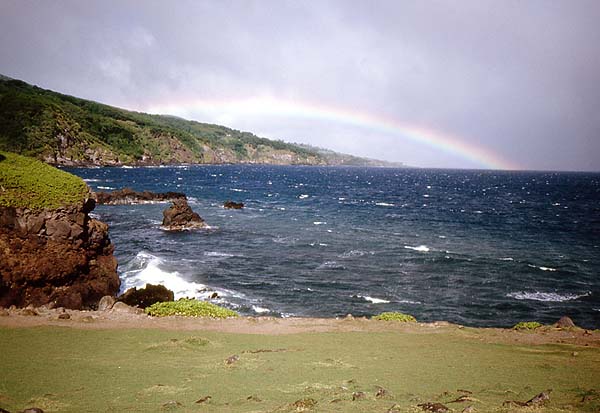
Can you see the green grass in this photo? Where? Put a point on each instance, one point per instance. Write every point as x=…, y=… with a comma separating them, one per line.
x=527, y=325
x=189, y=308
x=395, y=316
x=62, y=369
x=26, y=182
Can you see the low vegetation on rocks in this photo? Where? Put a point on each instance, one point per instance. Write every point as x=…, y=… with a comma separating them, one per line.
x=527, y=325
x=28, y=183
x=395, y=316
x=189, y=308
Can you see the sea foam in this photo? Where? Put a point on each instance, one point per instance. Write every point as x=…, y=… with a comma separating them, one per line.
x=420, y=248
x=545, y=296
x=373, y=299
x=145, y=268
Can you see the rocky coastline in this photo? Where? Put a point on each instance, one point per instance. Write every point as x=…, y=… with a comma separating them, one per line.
x=57, y=257
x=128, y=196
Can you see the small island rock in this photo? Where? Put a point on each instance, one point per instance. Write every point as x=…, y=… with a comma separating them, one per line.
x=233, y=205
x=179, y=217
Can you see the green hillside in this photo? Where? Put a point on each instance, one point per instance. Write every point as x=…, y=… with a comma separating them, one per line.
x=66, y=130
x=27, y=183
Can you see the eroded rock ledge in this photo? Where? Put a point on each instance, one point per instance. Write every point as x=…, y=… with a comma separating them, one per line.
x=59, y=257
x=128, y=196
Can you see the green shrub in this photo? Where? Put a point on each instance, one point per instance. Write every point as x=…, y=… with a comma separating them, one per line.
x=189, y=308
x=527, y=325
x=395, y=316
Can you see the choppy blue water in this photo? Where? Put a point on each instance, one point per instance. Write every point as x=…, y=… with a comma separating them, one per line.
x=480, y=248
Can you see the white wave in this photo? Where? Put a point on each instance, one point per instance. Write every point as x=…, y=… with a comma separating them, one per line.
x=237, y=190
x=330, y=265
x=303, y=196
x=320, y=223
x=92, y=180
x=373, y=299
x=105, y=187
x=127, y=167
x=384, y=204
x=94, y=215
x=341, y=199
x=260, y=310
x=356, y=253
x=218, y=254
x=506, y=259
x=147, y=270
x=408, y=302
x=542, y=268
x=420, y=248
x=542, y=296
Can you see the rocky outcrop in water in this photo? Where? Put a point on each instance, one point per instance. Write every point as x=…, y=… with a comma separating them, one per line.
x=128, y=196
x=180, y=217
x=59, y=257
x=233, y=205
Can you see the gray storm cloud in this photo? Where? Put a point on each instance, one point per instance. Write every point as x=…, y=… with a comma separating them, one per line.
x=519, y=79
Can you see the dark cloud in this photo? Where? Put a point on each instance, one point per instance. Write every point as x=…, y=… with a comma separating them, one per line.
x=521, y=79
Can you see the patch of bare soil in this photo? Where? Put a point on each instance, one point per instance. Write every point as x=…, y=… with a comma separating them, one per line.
x=130, y=318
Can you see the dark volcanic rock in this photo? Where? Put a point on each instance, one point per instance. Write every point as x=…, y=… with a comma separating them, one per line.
x=128, y=196
x=180, y=216
x=233, y=205
x=55, y=256
x=145, y=297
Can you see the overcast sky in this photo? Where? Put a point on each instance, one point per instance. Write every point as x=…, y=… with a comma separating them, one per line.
x=518, y=79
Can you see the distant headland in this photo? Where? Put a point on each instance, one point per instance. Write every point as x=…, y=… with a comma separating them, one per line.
x=65, y=130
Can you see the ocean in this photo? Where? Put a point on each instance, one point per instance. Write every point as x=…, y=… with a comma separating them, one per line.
x=478, y=248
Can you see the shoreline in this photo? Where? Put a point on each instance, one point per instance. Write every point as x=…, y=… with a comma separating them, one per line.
x=130, y=318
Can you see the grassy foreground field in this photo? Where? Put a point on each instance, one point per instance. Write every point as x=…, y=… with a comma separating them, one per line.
x=66, y=369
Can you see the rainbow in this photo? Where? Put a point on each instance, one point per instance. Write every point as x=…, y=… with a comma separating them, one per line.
x=437, y=140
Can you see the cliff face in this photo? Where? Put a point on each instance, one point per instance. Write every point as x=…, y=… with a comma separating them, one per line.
x=55, y=256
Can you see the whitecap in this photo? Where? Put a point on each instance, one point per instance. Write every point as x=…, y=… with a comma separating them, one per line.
x=320, y=223
x=218, y=254
x=92, y=180
x=408, y=302
x=506, y=259
x=542, y=268
x=94, y=216
x=260, y=310
x=330, y=265
x=420, y=248
x=384, y=204
x=545, y=296
x=105, y=187
x=356, y=253
x=237, y=190
x=303, y=196
x=373, y=299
